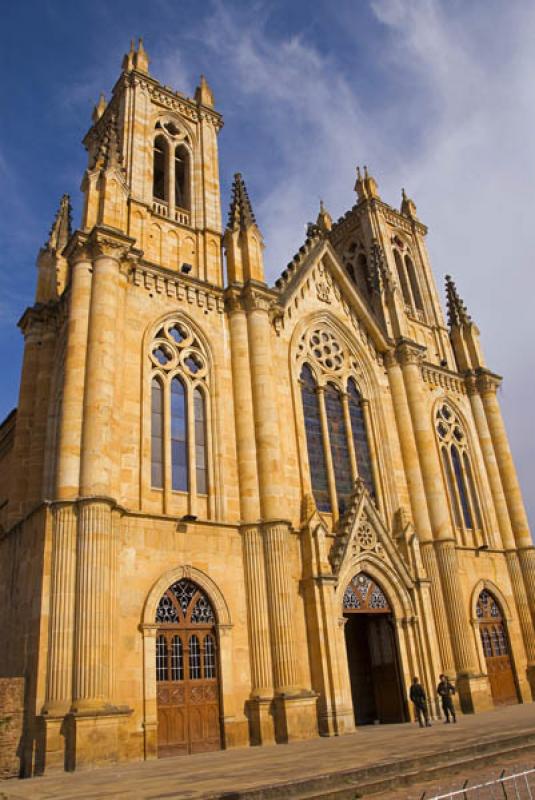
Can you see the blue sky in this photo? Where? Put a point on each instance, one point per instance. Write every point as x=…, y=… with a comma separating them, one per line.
x=434, y=95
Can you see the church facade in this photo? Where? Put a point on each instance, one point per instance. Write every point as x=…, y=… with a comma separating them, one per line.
x=237, y=514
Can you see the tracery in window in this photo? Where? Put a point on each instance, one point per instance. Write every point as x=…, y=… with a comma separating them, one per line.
x=356, y=264
x=363, y=595
x=180, y=370
x=458, y=473
x=335, y=422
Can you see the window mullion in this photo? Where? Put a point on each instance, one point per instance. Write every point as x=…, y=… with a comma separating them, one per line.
x=370, y=437
x=458, y=500
x=320, y=390
x=349, y=436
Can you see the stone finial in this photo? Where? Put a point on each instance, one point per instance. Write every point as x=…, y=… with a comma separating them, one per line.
x=99, y=109
x=128, y=59
x=241, y=214
x=109, y=151
x=203, y=94
x=457, y=311
x=141, y=58
x=60, y=231
x=408, y=206
x=324, y=221
x=366, y=187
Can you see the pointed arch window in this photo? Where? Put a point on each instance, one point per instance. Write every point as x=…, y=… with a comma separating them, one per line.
x=336, y=423
x=159, y=169
x=402, y=276
x=179, y=411
x=413, y=279
x=458, y=475
x=181, y=187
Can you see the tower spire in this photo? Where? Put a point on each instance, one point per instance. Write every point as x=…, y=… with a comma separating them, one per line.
x=241, y=214
x=324, y=220
x=457, y=312
x=61, y=227
x=243, y=240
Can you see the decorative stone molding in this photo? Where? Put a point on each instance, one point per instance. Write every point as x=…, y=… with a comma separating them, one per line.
x=487, y=382
x=158, y=281
x=106, y=244
x=437, y=377
x=410, y=353
x=257, y=298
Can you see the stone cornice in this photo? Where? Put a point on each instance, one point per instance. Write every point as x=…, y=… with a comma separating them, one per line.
x=161, y=281
x=487, y=382
x=105, y=242
x=42, y=318
x=174, y=101
x=409, y=352
x=258, y=297
x=396, y=218
x=445, y=378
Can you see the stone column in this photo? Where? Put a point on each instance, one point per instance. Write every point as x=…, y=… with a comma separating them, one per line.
x=70, y=417
x=95, y=547
x=516, y=572
x=473, y=691
x=295, y=713
x=61, y=624
x=420, y=513
x=93, y=607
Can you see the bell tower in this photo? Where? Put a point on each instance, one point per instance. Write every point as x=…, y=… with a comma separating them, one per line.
x=153, y=170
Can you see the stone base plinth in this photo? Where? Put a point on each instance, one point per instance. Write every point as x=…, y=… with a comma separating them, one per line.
x=336, y=723
x=474, y=693
x=95, y=738
x=530, y=680
x=235, y=732
x=295, y=717
x=261, y=720
x=11, y=713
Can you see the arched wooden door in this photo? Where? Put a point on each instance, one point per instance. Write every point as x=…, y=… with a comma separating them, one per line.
x=372, y=653
x=186, y=672
x=496, y=649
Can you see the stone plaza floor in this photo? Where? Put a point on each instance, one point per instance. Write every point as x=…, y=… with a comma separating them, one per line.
x=230, y=772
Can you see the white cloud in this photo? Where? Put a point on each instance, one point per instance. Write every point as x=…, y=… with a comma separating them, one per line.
x=456, y=128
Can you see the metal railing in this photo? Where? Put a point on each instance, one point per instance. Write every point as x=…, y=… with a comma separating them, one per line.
x=520, y=786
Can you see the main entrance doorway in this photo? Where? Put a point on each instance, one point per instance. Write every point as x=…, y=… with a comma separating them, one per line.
x=186, y=672
x=496, y=649
x=372, y=653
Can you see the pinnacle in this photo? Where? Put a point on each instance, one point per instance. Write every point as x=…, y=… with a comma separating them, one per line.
x=109, y=154
x=61, y=227
x=457, y=311
x=241, y=214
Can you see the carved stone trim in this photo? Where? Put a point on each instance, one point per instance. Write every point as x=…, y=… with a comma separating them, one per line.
x=155, y=281
x=436, y=376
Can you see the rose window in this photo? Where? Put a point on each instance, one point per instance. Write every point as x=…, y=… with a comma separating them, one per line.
x=326, y=350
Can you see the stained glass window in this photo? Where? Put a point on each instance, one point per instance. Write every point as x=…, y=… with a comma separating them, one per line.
x=200, y=441
x=473, y=493
x=316, y=455
x=338, y=444
x=461, y=486
x=451, y=487
x=179, y=453
x=360, y=438
x=157, y=435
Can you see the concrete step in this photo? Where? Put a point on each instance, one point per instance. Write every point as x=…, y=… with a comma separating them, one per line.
x=367, y=781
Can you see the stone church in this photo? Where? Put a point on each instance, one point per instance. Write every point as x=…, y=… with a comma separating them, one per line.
x=232, y=513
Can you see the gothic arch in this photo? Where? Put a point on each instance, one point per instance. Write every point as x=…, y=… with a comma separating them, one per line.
x=496, y=593
x=367, y=383
x=395, y=591
x=475, y=458
x=197, y=576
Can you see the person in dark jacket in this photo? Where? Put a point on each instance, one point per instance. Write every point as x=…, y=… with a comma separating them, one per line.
x=419, y=701
x=445, y=690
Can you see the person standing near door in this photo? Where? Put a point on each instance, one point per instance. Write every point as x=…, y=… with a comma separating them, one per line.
x=419, y=700
x=445, y=690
